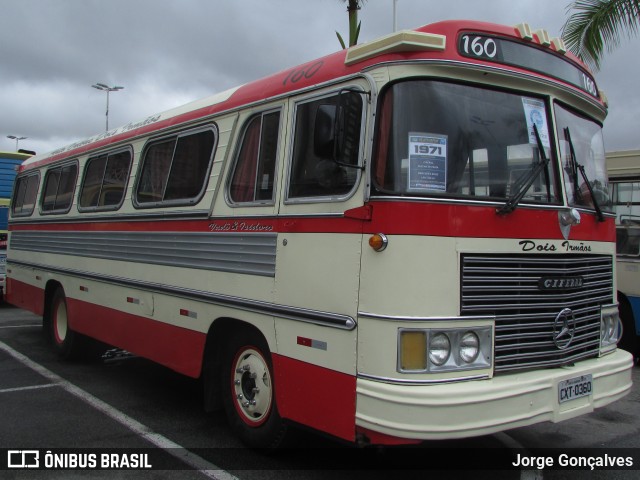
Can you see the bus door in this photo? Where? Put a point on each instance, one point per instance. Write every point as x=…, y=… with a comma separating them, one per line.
x=318, y=256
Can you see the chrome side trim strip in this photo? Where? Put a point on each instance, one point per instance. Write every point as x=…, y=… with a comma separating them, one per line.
x=396, y=381
x=113, y=217
x=399, y=318
x=317, y=317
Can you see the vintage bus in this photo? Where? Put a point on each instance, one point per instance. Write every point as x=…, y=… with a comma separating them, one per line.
x=623, y=168
x=407, y=240
x=9, y=162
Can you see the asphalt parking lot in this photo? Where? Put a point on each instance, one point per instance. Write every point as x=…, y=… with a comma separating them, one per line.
x=141, y=412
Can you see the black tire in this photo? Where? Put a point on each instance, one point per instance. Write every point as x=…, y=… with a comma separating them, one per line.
x=629, y=340
x=248, y=391
x=66, y=342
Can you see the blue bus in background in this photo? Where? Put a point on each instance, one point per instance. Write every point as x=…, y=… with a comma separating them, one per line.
x=9, y=163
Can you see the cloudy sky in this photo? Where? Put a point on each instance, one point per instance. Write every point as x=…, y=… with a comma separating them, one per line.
x=169, y=52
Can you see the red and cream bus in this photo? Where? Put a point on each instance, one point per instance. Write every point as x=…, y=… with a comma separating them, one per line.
x=406, y=240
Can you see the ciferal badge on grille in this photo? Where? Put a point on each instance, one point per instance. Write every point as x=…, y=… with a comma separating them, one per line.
x=560, y=283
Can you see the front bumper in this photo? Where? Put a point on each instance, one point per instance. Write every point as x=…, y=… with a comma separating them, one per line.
x=481, y=407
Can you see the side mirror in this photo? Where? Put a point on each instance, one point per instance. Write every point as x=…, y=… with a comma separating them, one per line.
x=336, y=135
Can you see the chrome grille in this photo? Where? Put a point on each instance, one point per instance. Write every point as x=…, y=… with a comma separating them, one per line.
x=507, y=286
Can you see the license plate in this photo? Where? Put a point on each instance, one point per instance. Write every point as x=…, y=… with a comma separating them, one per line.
x=576, y=387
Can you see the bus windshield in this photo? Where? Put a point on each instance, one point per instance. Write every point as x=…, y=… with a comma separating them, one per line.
x=581, y=145
x=444, y=139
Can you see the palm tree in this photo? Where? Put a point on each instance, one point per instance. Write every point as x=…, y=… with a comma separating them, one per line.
x=599, y=23
x=354, y=26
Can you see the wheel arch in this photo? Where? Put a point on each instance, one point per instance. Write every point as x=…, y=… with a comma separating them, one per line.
x=629, y=341
x=219, y=331
x=49, y=290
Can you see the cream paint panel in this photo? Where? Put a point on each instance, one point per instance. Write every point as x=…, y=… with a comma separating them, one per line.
x=414, y=276
x=420, y=276
x=318, y=271
x=161, y=307
x=629, y=276
x=332, y=348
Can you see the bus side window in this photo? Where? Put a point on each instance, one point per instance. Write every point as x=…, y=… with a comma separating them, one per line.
x=59, y=186
x=628, y=240
x=175, y=169
x=105, y=180
x=254, y=171
x=316, y=169
x=25, y=195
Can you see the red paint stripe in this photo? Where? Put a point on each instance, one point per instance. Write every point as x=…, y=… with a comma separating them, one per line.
x=391, y=218
x=25, y=296
x=174, y=347
x=177, y=348
x=466, y=221
x=315, y=396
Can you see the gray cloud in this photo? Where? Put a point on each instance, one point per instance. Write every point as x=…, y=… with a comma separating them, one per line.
x=169, y=52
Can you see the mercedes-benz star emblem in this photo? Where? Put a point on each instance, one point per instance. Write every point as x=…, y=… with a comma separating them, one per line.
x=563, y=328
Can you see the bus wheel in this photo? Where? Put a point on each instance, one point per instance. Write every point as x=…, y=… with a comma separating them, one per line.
x=249, y=392
x=65, y=340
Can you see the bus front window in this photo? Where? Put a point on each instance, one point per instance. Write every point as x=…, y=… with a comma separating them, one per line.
x=583, y=160
x=443, y=139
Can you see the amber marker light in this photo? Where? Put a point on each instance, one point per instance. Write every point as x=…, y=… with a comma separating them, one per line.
x=413, y=347
x=378, y=242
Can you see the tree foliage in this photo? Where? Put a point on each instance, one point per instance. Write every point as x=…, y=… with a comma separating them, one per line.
x=599, y=24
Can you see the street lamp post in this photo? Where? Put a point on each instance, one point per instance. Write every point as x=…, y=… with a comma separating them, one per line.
x=17, y=139
x=107, y=88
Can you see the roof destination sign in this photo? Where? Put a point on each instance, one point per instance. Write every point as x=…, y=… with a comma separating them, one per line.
x=501, y=50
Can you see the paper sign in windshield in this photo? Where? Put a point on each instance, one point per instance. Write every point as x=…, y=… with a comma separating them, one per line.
x=427, y=162
x=535, y=114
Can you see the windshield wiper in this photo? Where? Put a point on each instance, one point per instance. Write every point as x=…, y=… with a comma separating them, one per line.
x=521, y=186
x=572, y=168
x=577, y=194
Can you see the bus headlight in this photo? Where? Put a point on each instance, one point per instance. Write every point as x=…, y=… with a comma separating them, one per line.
x=439, y=348
x=444, y=350
x=610, y=328
x=469, y=347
